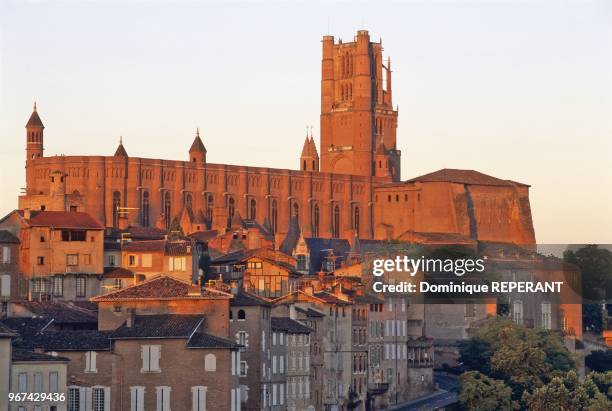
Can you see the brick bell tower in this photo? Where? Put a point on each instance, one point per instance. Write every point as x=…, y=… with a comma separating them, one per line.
x=356, y=109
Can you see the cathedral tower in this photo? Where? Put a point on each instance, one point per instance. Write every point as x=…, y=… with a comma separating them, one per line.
x=356, y=108
x=34, y=136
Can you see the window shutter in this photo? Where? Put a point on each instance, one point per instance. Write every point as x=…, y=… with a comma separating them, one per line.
x=133, y=399
x=171, y=263
x=88, y=399
x=155, y=355
x=82, y=398
x=233, y=400
x=5, y=286
x=159, y=392
x=166, y=403
x=38, y=382
x=145, y=353
x=23, y=382
x=53, y=382
x=107, y=394
x=92, y=361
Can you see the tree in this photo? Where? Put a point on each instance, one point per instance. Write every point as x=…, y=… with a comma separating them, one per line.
x=592, y=318
x=599, y=360
x=481, y=393
x=475, y=354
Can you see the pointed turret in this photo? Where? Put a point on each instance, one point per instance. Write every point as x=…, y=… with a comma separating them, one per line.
x=34, y=135
x=197, y=152
x=120, y=152
x=381, y=160
x=309, y=160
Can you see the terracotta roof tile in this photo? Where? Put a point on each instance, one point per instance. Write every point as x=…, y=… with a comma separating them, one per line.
x=63, y=219
x=471, y=177
x=159, y=326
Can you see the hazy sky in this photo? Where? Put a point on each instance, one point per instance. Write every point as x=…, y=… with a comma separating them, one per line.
x=517, y=89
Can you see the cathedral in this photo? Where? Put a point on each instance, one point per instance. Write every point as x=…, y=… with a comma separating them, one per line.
x=352, y=188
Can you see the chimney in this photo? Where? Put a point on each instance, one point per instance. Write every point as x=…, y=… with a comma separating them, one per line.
x=234, y=287
x=27, y=214
x=129, y=322
x=194, y=290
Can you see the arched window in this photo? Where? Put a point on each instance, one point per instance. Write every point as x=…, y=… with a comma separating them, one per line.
x=315, y=221
x=295, y=211
x=189, y=201
x=274, y=216
x=231, y=315
x=116, y=207
x=231, y=209
x=356, y=219
x=253, y=209
x=241, y=315
x=144, y=209
x=304, y=165
x=210, y=362
x=167, y=209
x=209, y=209
x=336, y=222
x=313, y=165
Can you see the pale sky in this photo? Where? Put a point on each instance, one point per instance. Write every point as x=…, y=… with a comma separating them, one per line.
x=520, y=90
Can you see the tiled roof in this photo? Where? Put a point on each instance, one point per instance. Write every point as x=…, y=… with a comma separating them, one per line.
x=61, y=312
x=244, y=298
x=26, y=327
x=330, y=298
x=471, y=177
x=69, y=340
x=159, y=326
x=63, y=219
x=117, y=272
x=167, y=247
x=289, y=325
x=34, y=120
x=8, y=237
x=204, y=236
x=292, y=237
x=367, y=299
x=203, y=340
x=22, y=355
x=159, y=288
x=197, y=145
x=310, y=312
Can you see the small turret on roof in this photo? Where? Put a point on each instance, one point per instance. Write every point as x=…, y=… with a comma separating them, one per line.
x=35, y=120
x=197, y=145
x=120, y=152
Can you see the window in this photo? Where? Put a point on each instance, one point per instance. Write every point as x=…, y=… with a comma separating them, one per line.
x=315, y=221
x=53, y=381
x=90, y=361
x=42, y=239
x=72, y=260
x=38, y=382
x=132, y=260
x=356, y=219
x=177, y=263
x=210, y=203
x=74, y=235
x=274, y=369
x=470, y=310
x=242, y=338
x=301, y=262
x=243, y=368
x=111, y=261
x=98, y=398
x=517, y=312
x=274, y=216
x=5, y=285
x=147, y=260
x=74, y=398
x=241, y=315
x=6, y=255
x=546, y=315
x=81, y=286
x=137, y=398
x=117, y=284
x=253, y=209
x=116, y=208
x=86, y=259
x=22, y=380
x=144, y=209
x=231, y=209
x=295, y=211
x=167, y=210
x=150, y=358
x=198, y=401
x=336, y=222
x=163, y=398
x=40, y=260
x=58, y=286
x=210, y=362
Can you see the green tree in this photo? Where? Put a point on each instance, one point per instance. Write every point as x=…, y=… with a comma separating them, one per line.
x=481, y=393
x=475, y=354
x=599, y=360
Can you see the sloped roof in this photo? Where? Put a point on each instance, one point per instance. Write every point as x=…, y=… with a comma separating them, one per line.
x=8, y=237
x=165, y=246
x=21, y=355
x=289, y=325
x=197, y=145
x=120, y=152
x=310, y=312
x=34, y=120
x=159, y=288
x=62, y=219
x=292, y=237
x=159, y=326
x=203, y=340
x=470, y=177
x=61, y=312
x=6, y=331
x=244, y=298
x=70, y=340
x=330, y=298
x=26, y=327
x=117, y=272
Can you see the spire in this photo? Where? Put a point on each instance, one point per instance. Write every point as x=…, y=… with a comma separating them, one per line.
x=197, y=144
x=313, y=148
x=120, y=152
x=306, y=149
x=35, y=120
